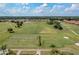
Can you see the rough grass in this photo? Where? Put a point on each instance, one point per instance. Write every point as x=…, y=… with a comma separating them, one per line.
x=28, y=53
x=45, y=52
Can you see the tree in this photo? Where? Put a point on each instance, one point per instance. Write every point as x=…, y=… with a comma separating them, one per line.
x=60, y=28
x=39, y=40
x=3, y=47
x=57, y=25
x=19, y=23
x=50, y=22
x=10, y=30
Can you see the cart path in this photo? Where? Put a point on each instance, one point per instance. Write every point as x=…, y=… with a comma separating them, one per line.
x=74, y=32
x=19, y=51
x=31, y=49
x=38, y=51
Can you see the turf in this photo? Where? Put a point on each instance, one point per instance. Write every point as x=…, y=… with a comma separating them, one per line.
x=27, y=35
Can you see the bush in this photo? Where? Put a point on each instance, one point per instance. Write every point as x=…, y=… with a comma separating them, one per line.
x=60, y=28
x=19, y=23
x=53, y=46
x=55, y=52
x=3, y=47
x=50, y=22
x=57, y=25
x=10, y=52
x=10, y=30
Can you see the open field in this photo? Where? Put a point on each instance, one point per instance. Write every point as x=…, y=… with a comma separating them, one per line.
x=27, y=36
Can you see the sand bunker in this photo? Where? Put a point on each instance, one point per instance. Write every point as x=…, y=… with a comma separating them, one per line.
x=77, y=44
x=66, y=37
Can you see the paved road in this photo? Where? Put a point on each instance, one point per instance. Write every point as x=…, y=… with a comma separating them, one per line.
x=38, y=51
x=31, y=49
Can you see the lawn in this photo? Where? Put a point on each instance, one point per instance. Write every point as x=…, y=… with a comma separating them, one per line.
x=27, y=35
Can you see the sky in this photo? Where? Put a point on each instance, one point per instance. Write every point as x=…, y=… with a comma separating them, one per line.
x=39, y=9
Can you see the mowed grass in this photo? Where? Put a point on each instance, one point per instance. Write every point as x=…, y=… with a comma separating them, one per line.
x=4, y=35
x=27, y=35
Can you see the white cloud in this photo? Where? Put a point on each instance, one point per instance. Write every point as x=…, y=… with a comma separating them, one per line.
x=40, y=8
x=43, y=5
x=14, y=11
x=56, y=8
x=2, y=5
x=37, y=11
x=17, y=11
x=73, y=7
x=25, y=5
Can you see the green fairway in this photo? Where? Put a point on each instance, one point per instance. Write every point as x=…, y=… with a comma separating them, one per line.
x=27, y=35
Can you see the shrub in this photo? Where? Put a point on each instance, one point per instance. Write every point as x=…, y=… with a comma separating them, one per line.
x=3, y=47
x=57, y=25
x=10, y=52
x=19, y=23
x=53, y=46
x=10, y=30
x=60, y=28
x=54, y=51
x=50, y=22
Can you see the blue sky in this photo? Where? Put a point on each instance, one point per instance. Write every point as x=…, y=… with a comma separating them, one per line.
x=39, y=9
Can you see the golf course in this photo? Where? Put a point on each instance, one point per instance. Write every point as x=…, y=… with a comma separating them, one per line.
x=26, y=37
